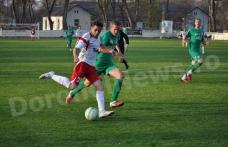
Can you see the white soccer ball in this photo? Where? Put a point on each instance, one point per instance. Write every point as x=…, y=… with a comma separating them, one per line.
x=91, y=113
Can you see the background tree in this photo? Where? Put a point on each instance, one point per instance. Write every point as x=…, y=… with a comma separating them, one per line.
x=113, y=6
x=66, y=4
x=132, y=11
x=212, y=21
x=103, y=7
x=49, y=7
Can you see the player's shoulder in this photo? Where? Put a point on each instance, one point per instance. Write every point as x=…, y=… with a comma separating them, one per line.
x=106, y=34
x=191, y=29
x=86, y=36
x=202, y=30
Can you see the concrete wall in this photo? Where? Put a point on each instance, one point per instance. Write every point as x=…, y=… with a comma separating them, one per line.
x=219, y=36
x=61, y=33
x=75, y=13
x=83, y=16
x=58, y=23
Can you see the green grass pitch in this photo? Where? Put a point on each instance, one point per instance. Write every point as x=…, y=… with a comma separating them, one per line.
x=158, y=110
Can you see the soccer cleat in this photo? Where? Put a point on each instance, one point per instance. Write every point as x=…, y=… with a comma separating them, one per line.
x=104, y=113
x=189, y=77
x=69, y=99
x=47, y=75
x=185, y=81
x=116, y=104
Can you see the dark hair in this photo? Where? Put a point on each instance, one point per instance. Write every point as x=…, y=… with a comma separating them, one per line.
x=197, y=19
x=97, y=23
x=115, y=22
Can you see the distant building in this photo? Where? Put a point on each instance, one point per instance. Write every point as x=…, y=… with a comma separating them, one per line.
x=183, y=16
x=77, y=15
x=196, y=13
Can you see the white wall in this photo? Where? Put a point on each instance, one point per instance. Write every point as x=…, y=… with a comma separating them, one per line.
x=219, y=36
x=58, y=23
x=83, y=16
x=61, y=33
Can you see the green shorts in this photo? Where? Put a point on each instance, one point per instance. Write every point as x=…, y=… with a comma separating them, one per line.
x=105, y=68
x=197, y=59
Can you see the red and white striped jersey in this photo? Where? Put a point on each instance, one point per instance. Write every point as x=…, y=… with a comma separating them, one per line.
x=89, y=46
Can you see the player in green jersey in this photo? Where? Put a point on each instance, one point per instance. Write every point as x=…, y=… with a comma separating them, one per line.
x=195, y=37
x=69, y=37
x=105, y=65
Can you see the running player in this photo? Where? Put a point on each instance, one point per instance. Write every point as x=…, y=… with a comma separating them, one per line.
x=195, y=37
x=69, y=37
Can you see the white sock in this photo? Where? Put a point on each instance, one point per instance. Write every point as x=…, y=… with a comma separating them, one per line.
x=100, y=100
x=183, y=77
x=61, y=80
x=203, y=51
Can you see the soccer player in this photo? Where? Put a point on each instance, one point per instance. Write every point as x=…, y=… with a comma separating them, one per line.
x=195, y=37
x=78, y=33
x=89, y=45
x=105, y=65
x=181, y=36
x=69, y=37
x=123, y=43
x=206, y=38
x=33, y=33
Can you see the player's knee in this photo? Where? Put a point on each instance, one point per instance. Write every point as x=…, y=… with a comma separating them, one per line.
x=87, y=83
x=100, y=88
x=72, y=86
x=120, y=75
x=193, y=62
x=98, y=85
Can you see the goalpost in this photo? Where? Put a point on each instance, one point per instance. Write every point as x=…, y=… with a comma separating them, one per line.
x=19, y=30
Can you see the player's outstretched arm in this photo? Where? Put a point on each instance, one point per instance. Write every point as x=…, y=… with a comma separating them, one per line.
x=102, y=49
x=75, y=55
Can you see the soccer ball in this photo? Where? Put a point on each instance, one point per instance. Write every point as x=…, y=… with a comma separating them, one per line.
x=91, y=113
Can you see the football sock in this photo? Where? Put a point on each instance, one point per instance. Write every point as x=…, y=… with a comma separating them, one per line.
x=78, y=88
x=100, y=100
x=193, y=67
x=116, y=90
x=61, y=80
x=203, y=49
x=184, y=77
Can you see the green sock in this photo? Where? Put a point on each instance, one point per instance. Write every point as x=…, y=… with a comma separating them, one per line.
x=194, y=67
x=116, y=90
x=78, y=88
